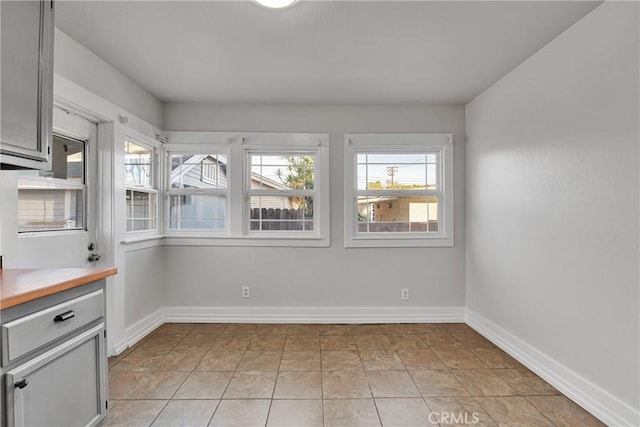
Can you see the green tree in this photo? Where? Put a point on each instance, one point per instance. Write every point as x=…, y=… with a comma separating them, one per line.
x=299, y=175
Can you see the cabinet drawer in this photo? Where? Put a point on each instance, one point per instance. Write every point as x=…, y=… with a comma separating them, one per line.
x=35, y=330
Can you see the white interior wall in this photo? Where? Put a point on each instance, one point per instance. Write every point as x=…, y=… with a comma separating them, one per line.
x=144, y=290
x=78, y=64
x=321, y=277
x=552, y=208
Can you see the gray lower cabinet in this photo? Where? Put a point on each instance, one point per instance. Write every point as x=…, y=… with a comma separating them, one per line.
x=62, y=387
x=54, y=363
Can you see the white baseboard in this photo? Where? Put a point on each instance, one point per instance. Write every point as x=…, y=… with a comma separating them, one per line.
x=602, y=404
x=314, y=314
x=143, y=327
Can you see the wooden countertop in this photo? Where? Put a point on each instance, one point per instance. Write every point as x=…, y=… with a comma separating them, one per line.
x=18, y=286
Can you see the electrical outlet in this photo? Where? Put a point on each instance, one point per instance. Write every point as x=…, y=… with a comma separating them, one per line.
x=246, y=292
x=404, y=294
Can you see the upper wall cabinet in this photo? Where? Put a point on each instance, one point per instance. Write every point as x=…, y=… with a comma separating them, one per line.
x=26, y=91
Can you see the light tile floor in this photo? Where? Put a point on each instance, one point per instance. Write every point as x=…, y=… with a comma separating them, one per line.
x=328, y=375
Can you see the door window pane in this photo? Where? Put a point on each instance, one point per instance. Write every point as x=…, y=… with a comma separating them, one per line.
x=50, y=200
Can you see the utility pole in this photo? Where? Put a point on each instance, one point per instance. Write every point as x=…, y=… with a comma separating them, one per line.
x=392, y=171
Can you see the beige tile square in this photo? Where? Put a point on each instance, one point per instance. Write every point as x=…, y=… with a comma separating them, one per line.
x=340, y=360
x=337, y=342
x=381, y=360
x=441, y=382
x=457, y=328
x=174, y=329
x=563, y=412
x=298, y=385
x=304, y=329
x=524, y=382
x=231, y=342
x=160, y=342
x=403, y=412
x=272, y=329
x=513, y=410
x=204, y=385
x=474, y=340
x=398, y=329
x=373, y=342
x=334, y=330
x=483, y=382
x=496, y=359
x=290, y=413
x=267, y=342
x=196, y=342
x=367, y=329
x=144, y=385
x=251, y=385
x=442, y=342
x=391, y=384
x=220, y=360
x=420, y=359
x=260, y=361
x=133, y=413
x=192, y=413
x=209, y=328
x=241, y=413
x=350, y=413
x=459, y=359
x=299, y=342
x=160, y=361
x=345, y=384
x=459, y=411
x=242, y=329
x=407, y=342
x=300, y=361
x=429, y=328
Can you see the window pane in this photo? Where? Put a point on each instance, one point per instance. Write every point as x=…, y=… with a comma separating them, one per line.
x=197, y=212
x=281, y=213
x=282, y=172
x=137, y=164
x=141, y=210
x=41, y=209
x=54, y=199
x=397, y=214
x=392, y=171
x=198, y=171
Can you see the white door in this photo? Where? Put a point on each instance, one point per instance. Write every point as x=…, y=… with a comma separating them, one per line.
x=57, y=208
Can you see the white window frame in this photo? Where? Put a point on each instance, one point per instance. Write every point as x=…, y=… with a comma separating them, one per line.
x=213, y=149
x=237, y=146
x=153, y=188
x=428, y=143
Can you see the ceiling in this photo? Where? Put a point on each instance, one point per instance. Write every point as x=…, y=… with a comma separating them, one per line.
x=328, y=52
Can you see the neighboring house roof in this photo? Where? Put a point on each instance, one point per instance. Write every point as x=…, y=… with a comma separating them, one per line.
x=194, y=161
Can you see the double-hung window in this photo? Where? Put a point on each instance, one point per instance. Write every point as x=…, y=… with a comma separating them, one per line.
x=262, y=189
x=197, y=190
x=141, y=192
x=281, y=191
x=398, y=190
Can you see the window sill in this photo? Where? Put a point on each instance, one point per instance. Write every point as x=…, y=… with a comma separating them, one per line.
x=132, y=238
x=52, y=233
x=406, y=242
x=266, y=241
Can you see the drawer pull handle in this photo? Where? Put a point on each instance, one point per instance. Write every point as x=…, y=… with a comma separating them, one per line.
x=21, y=384
x=64, y=316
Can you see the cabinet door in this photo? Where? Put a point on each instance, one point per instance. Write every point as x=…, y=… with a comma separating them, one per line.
x=63, y=387
x=26, y=34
